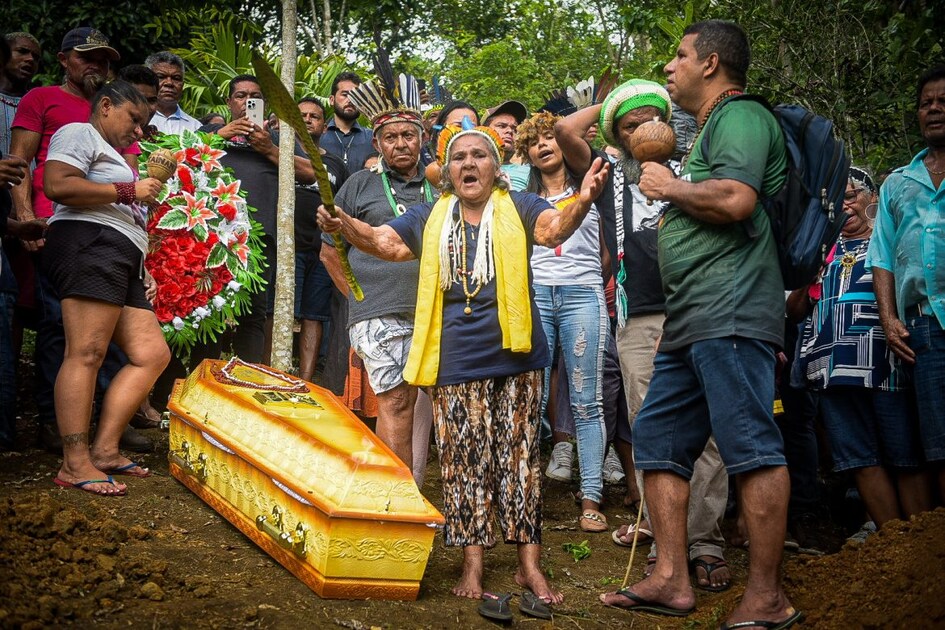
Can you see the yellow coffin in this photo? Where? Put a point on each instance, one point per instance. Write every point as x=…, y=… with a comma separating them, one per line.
x=298, y=473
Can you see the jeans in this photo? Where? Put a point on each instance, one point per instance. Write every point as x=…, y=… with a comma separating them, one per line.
x=718, y=387
x=575, y=318
x=249, y=341
x=927, y=340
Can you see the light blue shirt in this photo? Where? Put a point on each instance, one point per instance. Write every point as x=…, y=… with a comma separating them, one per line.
x=519, y=175
x=176, y=123
x=909, y=237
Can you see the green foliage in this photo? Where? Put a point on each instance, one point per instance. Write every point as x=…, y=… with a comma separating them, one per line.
x=125, y=22
x=579, y=552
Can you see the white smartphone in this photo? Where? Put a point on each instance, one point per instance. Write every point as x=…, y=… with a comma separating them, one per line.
x=254, y=111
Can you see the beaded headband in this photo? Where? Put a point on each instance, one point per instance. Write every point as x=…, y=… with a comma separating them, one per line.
x=451, y=133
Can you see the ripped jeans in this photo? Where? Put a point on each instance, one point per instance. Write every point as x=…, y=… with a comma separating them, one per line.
x=575, y=318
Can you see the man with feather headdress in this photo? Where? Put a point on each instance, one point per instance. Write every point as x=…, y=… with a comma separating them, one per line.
x=381, y=326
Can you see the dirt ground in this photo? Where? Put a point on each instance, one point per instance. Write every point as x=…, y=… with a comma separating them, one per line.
x=160, y=558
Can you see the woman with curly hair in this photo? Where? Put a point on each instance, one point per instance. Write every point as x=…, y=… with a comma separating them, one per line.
x=569, y=291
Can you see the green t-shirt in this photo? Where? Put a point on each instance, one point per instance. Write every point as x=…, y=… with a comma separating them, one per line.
x=719, y=282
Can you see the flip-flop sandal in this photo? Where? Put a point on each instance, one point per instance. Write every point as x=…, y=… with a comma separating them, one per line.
x=593, y=522
x=534, y=606
x=129, y=470
x=496, y=607
x=645, y=537
x=81, y=485
x=645, y=605
x=709, y=568
x=796, y=617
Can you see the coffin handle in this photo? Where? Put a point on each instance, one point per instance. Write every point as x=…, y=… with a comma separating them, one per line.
x=194, y=466
x=272, y=525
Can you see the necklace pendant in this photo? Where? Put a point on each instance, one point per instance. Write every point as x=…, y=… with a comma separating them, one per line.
x=468, y=310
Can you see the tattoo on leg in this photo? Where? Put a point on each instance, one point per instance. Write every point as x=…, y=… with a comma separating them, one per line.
x=74, y=439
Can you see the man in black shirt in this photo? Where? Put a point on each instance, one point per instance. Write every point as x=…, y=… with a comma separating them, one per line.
x=253, y=154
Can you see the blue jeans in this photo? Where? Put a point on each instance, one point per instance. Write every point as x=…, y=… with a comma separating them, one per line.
x=575, y=318
x=721, y=387
x=927, y=340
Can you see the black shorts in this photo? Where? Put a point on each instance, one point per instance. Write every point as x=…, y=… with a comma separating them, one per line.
x=85, y=259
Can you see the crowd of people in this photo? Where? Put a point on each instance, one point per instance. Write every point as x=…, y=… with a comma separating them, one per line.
x=522, y=281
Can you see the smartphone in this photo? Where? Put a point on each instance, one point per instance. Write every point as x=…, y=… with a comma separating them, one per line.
x=254, y=111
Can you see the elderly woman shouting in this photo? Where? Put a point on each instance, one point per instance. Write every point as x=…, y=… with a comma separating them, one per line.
x=478, y=342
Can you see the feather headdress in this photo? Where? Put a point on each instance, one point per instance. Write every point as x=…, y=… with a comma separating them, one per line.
x=450, y=133
x=387, y=100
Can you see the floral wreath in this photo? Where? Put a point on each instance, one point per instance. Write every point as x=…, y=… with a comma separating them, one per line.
x=204, y=251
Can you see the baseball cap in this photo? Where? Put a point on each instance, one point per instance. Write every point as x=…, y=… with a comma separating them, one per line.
x=86, y=38
x=515, y=108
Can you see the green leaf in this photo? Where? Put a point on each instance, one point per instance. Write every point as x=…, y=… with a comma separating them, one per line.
x=217, y=256
x=200, y=232
x=173, y=220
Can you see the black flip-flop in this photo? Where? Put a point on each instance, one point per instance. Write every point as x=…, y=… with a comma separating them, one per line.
x=534, y=606
x=645, y=605
x=496, y=607
x=709, y=568
x=796, y=617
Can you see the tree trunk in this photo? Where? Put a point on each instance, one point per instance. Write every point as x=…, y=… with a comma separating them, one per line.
x=285, y=248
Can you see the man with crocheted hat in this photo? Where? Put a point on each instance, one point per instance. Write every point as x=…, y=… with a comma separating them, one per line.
x=630, y=233
x=381, y=326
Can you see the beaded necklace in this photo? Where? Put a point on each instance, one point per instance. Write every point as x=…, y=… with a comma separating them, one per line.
x=718, y=101
x=399, y=208
x=848, y=259
x=463, y=270
x=226, y=375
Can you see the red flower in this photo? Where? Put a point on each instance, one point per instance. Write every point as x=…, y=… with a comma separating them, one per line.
x=186, y=180
x=227, y=210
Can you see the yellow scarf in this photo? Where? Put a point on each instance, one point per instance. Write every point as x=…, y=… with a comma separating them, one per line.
x=511, y=284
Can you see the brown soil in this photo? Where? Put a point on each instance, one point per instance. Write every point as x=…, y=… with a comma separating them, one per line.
x=160, y=558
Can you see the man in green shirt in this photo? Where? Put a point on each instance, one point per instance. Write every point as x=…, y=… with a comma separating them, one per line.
x=714, y=370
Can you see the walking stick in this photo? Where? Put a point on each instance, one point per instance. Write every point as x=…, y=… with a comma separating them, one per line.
x=633, y=547
x=286, y=109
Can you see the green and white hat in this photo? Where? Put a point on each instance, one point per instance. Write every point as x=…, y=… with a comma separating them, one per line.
x=629, y=96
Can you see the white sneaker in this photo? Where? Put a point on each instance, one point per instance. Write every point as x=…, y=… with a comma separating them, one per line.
x=612, y=471
x=562, y=458
x=867, y=530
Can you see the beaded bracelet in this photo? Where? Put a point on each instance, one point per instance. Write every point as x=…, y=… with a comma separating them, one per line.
x=126, y=192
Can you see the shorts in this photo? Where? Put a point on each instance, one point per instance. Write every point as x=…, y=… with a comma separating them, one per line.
x=722, y=387
x=869, y=427
x=312, y=288
x=88, y=260
x=383, y=343
x=927, y=340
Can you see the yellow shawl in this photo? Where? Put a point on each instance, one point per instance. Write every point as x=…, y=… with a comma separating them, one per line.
x=512, y=289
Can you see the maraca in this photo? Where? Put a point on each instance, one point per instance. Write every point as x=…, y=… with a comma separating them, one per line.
x=653, y=141
x=161, y=164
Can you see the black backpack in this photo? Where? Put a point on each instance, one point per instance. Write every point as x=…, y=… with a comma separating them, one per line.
x=807, y=212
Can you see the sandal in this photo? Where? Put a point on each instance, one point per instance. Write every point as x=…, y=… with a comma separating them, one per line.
x=709, y=568
x=593, y=522
x=496, y=607
x=534, y=606
x=623, y=536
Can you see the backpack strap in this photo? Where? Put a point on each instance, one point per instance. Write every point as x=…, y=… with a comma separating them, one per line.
x=747, y=224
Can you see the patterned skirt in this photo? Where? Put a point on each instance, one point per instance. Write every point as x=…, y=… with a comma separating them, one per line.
x=487, y=435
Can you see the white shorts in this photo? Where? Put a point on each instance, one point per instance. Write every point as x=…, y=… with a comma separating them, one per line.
x=383, y=343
